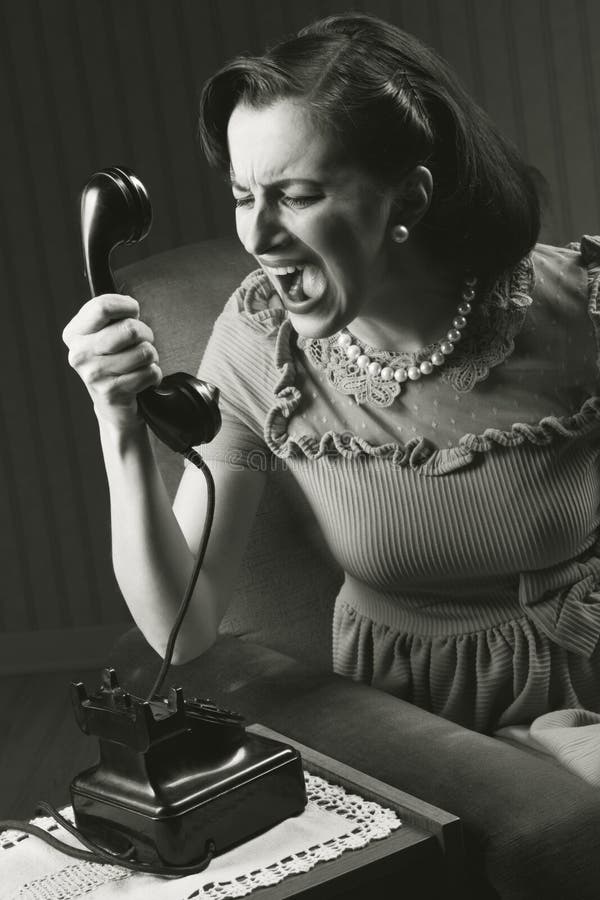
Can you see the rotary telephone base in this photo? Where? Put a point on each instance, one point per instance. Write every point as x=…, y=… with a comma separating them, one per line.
x=177, y=776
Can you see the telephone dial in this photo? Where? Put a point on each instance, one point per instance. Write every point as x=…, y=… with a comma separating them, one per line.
x=178, y=780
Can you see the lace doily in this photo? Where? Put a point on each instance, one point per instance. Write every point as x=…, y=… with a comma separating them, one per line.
x=490, y=339
x=345, y=822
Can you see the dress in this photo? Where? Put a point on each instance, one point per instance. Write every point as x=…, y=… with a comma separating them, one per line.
x=466, y=512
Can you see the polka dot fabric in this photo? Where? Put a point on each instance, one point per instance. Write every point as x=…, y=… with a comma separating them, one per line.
x=466, y=514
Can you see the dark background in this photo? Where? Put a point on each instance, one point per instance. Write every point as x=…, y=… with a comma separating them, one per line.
x=90, y=83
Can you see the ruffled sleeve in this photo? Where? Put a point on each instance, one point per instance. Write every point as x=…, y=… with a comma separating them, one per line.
x=238, y=361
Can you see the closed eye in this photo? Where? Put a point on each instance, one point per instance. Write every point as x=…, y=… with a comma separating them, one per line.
x=292, y=202
x=243, y=201
x=299, y=202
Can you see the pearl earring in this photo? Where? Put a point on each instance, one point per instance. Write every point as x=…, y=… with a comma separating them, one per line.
x=399, y=234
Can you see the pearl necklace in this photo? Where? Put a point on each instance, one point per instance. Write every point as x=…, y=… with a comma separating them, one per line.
x=357, y=356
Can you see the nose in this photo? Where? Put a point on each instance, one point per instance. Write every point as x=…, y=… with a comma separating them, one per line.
x=260, y=230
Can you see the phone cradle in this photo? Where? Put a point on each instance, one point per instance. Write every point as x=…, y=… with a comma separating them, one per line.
x=175, y=775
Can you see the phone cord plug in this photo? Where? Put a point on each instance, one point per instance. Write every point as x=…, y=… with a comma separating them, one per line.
x=97, y=854
x=194, y=457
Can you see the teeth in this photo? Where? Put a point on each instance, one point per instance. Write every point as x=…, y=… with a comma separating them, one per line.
x=284, y=270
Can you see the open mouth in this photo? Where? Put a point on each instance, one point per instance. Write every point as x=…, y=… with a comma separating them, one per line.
x=303, y=285
x=289, y=280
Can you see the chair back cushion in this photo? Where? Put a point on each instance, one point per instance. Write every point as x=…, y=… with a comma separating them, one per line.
x=288, y=579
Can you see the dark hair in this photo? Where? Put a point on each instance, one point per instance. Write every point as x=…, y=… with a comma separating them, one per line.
x=393, y=104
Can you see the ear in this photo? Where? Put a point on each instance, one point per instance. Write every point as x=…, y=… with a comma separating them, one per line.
x=413, y=197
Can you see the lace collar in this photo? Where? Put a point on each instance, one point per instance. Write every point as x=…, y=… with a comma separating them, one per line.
x=503, y=312
x=490, y=339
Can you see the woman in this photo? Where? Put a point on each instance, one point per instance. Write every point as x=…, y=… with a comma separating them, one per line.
x=428, y=376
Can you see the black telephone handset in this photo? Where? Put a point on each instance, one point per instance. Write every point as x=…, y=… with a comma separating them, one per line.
x=115, y=209
x=178, y=779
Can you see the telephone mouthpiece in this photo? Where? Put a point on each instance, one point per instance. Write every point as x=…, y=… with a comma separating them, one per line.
x=182, y=411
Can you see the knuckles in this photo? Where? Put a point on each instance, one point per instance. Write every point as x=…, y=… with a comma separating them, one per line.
x=156, y=374
x=117, y=359
x=76, y=356
x=148, y=352
x=109, y=304
x=130, y=331
x=94, y=374
x=104, y=309
x=130, y=328
x=118, y=387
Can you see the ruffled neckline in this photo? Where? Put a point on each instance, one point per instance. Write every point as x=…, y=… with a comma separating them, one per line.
x=505, y=305
x=493, y=325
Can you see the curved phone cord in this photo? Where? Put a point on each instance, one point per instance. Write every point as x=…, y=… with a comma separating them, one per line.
x=197, y=460
x=95, y=852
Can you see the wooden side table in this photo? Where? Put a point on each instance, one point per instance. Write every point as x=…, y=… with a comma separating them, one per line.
x=425, y=854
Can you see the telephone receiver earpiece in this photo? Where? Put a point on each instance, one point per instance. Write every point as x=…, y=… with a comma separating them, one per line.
x=115, y=209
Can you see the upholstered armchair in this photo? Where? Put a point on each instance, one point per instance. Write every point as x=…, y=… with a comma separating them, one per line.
x=532, y=829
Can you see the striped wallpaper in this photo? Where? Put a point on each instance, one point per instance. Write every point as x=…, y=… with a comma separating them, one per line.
x=89, y=83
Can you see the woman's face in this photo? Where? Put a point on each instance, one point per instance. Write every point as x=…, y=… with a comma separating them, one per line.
x=318, y=225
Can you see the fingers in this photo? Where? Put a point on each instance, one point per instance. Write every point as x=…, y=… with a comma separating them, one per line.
x=99, y=312
x=94, y=359
x=122, y=334
x=110, y=341
x=98, y=367
x=93, y=333
x=113, y=352
x=122, y=387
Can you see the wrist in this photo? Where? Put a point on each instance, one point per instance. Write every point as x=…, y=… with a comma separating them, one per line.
x=122, y=433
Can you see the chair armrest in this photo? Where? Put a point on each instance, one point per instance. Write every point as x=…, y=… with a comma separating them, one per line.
x=531, y=827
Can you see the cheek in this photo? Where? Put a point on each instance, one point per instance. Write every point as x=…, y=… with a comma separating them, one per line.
x=354, y=232
x=239, y=224
x=341, y=243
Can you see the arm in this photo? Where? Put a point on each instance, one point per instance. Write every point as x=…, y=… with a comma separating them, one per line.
x=154, y=546
x=153, y=555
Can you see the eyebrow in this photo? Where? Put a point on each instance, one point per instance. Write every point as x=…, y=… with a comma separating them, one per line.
x=281, y=183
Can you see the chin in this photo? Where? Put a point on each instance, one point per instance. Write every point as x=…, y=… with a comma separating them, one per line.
x=314, y=326
x=325, y=320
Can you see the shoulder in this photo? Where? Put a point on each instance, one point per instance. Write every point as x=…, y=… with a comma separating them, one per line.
x=578, y=261
x=565, y=313
x=244, y=338
x=255, y=305
x=564, y=279
x=249, y=322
